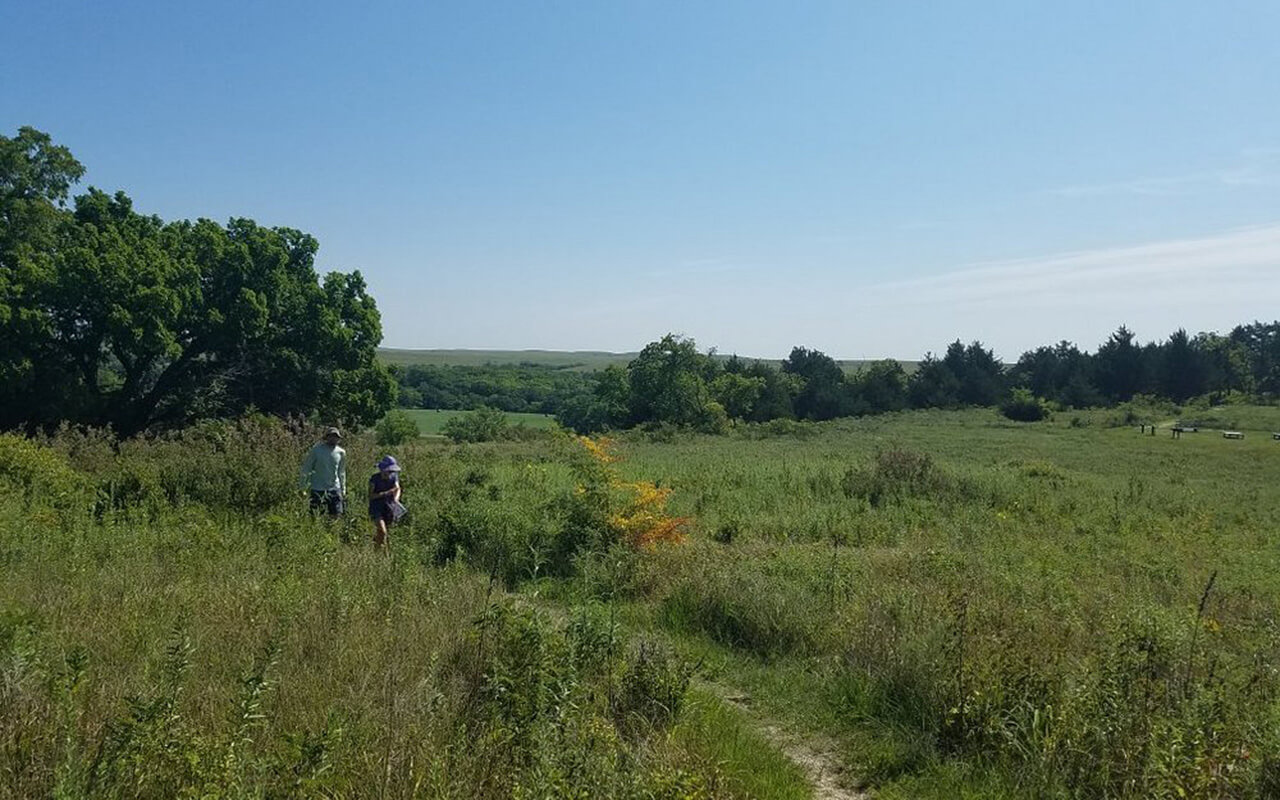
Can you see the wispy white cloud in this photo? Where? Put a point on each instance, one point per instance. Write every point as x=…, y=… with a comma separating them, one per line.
x=1223, y=262
x=1210, y=282
x=1259, y=166
x=1200, y=283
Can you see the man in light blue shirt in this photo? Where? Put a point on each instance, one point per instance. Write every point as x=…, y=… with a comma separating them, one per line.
x=324, y=471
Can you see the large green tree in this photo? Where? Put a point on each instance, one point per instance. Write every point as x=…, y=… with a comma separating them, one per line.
x=1118, y=366
x=111, y=317
x=1260, y=346
x=822, y=394
x=1182, y=369
x=668, y=383
x=35, y=177
x=882, y=386
x=933, y=384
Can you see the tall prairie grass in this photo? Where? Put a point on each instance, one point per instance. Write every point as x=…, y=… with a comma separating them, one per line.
x=964, y=605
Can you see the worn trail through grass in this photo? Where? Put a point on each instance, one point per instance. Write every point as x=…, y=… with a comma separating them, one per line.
x=815, y=757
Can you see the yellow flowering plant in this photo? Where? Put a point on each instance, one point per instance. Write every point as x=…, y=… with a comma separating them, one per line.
x=634, y=512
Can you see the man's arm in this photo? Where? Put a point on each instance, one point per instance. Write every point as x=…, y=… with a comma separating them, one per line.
x=342, y=473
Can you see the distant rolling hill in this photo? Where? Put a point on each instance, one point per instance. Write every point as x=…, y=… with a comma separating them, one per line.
x=578, y=360
x=583, y=360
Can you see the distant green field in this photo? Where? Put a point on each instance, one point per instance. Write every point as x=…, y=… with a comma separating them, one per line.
x=431, y=421
x=580, y=360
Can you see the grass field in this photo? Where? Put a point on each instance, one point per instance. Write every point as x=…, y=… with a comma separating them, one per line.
x=925, y=605
x=431, y=421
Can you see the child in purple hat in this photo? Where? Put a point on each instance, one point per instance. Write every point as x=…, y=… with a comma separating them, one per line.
x=384, y=499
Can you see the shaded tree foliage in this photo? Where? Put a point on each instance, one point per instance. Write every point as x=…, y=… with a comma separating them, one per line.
x=1061, y=373
x=534, y=388
x=821, y=394
x=606, y=406
x=777, y=393
x=111, y=317
x=977, y=371
x=881, y=387
x=934, y=385
x=668, y=383
x=737, y=393
x=1118, y=366
x=1181, y=368
x=1260, y=347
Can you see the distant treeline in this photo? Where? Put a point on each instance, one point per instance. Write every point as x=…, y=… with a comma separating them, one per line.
x=671, y=382
x=533, y=388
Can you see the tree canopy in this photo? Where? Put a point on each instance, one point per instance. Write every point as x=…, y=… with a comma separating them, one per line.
x=671, y=382
x=112, y=317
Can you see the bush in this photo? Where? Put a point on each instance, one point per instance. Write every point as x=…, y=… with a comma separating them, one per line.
x=897, y=475
x=243, y=464
x=653, y=689
x=510, y=540
x=584, y=414
x=485, y=424
x=1022, y=406
x=396, y=428
x=38, y=472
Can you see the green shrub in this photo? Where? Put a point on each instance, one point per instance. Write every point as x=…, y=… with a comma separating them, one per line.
x=41, y=474
x=1022, y=406
x=245, y=464
x=482, y=425
x=395, y=429
x=728, y=531
x=585, y=415
x=896, y=474
x=513, y=541
x=652, y=689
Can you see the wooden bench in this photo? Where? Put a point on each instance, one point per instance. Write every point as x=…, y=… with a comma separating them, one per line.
x=1232, y=435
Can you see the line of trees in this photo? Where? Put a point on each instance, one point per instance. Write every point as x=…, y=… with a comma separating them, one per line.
x=671, y=382
x=109, y=317
x=534, y=388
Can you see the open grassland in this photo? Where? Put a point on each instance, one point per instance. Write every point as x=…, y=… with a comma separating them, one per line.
x=945, y=604
x=967, y=602
x=431, y=422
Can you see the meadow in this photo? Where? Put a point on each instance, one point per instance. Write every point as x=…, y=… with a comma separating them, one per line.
x=931, y=604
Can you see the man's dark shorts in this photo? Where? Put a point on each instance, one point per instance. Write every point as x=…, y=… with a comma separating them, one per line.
x=330, y=501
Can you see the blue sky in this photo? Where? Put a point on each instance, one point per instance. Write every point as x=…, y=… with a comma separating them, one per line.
x=867, y=178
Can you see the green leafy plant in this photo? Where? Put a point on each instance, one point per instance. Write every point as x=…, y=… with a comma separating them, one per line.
x=1023, y=406
x=395, y=429
x=485, y=424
